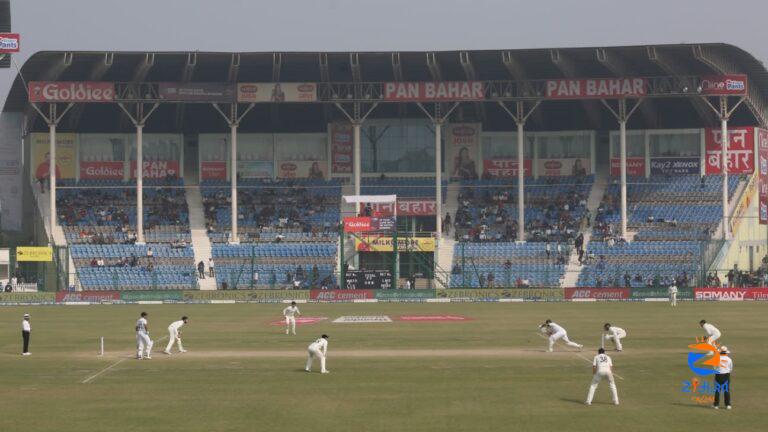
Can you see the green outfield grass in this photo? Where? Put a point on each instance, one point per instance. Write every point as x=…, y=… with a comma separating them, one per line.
x=494, y=376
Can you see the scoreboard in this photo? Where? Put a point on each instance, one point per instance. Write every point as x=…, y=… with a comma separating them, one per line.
x=369, y=279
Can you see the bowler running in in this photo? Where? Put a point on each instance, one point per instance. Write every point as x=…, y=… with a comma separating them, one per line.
x=602, y=367
x=317, y=349
x=290, y=313
x=556, y=333
x=174, y=335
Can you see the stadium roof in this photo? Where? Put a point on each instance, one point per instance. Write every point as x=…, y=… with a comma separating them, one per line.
x=486, y=65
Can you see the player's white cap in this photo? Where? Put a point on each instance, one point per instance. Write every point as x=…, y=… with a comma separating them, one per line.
x=724, y=349
x=26, y=315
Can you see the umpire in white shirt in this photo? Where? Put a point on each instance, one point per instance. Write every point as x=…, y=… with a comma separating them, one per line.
x=723, y=378
x=26, y=329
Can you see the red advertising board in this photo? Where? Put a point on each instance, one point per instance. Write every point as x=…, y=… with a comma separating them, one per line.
x=341, y=148
x=9, y=43
x=597, y=293
x=505, y=167
x=87, y=296
x=724, y=85
x=635, y=166
x=157, y=169
x=102, y=170
x=406, y=208
x=434, y=91
x=596, y=88
x=357, y=224
x=341, y=295
x=741, y=150
x=213, y=170
x=71, y=91
x=730, y=294
x=563, y=167
x=762, y=155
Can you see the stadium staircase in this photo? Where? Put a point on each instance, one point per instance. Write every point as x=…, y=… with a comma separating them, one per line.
x=347, y=210
x=573, y=270
x=447, y=244
x=201, y=243
x=56, y=237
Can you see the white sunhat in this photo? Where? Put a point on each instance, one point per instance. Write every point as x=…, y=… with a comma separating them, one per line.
x=26, y=315
x=724, y=349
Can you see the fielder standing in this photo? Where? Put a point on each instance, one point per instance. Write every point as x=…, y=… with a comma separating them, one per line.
x=143, y=342
x=317, y=349
x=556, y=333
x=26, y=330
x=602, y=367
x=723, y=378
x=711, y=332
x=615, y=334
x=290, y=314
x=672, y=291
x=174, y=335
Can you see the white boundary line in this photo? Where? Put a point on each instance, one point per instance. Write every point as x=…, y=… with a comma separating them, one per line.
x=94, y=376
x=578, y=354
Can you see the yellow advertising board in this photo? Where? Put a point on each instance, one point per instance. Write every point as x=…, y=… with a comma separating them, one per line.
x=34, y=254
x=65, y=154
x=384, y=244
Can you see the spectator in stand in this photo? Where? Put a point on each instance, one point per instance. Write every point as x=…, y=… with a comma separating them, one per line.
x=481, y=281
x=211, y=271
x=456, y=269
x=150, y=253
x=627, y=280
x=201, y=269
x=491, y=280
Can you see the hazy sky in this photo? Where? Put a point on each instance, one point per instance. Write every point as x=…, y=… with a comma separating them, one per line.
x=365, y=25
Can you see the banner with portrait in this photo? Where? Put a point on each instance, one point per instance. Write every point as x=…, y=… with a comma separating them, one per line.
x=462, y=142
x=65, y=155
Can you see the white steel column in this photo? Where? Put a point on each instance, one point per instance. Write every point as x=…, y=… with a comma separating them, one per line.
x=234, y=238
x=520, y=181
x=52, y=169
x=439, y=178
x=356, y=158
x=139, y=184
x=724, y=170
x=623, y=169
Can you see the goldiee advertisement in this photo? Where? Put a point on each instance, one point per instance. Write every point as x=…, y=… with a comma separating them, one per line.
x=416, y=294
x=250, y=295
x=34, y=297
x=151, y=295
x=494, y=294
x=65, y=155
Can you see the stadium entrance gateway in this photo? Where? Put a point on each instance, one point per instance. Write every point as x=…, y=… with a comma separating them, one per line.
x=138, y=100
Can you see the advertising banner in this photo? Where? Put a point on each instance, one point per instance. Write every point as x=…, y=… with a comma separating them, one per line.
x=404, y=294
x=71, y=91
x=730, y=294
x=675, y=165
x=341, y=148
x=313, y=169
x=405, y=208
x=246, y=295
x=197, y=92
x=741, y=150
x=635, y=166
x=255, y=169
x=369, y=279
x=102, y=170
x=87, y=296
x=276, y=92
x=384, y=244
x=434, y=91
x=213, y=170
x=9, y=43
x=357, y=224
x=762, y=185
x=11, y=173
x=644, y=293
x=563, y=167
x=151, y=295
x=462, y=143
x=724, y=85
x=495, y=294
x=503, y=168
x=28, y=297
x=157, y=169
x=596, y=88
x=34, y=253
x=65, y=155
x=596, y=293
x=341, y=295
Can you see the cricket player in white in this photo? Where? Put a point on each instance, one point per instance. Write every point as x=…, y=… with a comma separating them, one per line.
x=290, y=314
x=615, y=334
x=711, y=331
x=143, y=342
x=672, y=291
x=319, y=349
x=602, y=367
x=174, y=335
x=556, y=333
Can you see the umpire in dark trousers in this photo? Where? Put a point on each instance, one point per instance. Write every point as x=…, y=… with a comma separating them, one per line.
x=723, y=378
x=26, y=329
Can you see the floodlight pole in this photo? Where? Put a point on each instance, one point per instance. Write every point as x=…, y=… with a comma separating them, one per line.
x=139, y=119
x=520, y=116
x=724, y=113
x=233, y=119
x=438, y=117
x=52, y=119
x=622, y=116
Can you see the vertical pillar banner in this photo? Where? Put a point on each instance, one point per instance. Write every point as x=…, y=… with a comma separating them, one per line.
x=462, y=147
x=762, y=151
